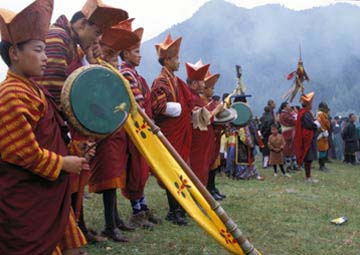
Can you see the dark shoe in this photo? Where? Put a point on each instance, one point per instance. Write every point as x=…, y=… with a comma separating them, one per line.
x=176, y=218
x=180, y=218
x=219, y=193
x=122, y=225
x=114, y=235
x=215, y=195
x=93, y=237
x=152, y=217
x=140, y=220
x=324, y=169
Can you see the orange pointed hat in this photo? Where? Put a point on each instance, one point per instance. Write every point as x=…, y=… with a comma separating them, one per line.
x=103, y=15
x=197, y=71
x=307, y=98
x=32, y=23
x=120, y=37
x=211, y=79
x=168, y=48
x=126, y=25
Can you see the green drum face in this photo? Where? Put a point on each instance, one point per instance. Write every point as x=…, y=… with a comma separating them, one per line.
x=93, y=94
x=244, y=114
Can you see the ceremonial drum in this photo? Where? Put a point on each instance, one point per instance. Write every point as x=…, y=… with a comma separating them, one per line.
x=243, y=112
x=91, y=99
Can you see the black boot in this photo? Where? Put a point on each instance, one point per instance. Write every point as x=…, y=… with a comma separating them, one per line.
x=322, y=165
x=122, y=225
x=211, y=185
x=353, y=160
x=111, y=230
x=176, y=215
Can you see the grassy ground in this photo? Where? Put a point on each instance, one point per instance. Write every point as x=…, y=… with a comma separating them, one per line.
x=280, y=216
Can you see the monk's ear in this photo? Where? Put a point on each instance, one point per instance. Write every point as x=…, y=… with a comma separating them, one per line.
x=14, y=54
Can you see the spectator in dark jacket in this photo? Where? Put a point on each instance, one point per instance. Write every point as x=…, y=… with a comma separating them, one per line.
x=351, y=140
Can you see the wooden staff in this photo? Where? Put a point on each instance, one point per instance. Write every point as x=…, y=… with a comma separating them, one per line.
x=246, y=246
x=82, y=182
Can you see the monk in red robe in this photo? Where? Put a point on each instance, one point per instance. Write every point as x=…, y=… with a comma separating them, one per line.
x=203, y=137
x=66, y=43
x=305, y=136
x=212, y=101
x=171, y=108
x=108, y=167
x=34, y=166
x=137, y=171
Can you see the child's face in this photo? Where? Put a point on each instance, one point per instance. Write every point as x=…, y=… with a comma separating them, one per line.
x=274, y=131
x=31, y=59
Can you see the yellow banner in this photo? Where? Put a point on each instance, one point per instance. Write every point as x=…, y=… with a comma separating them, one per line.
x=178, y=183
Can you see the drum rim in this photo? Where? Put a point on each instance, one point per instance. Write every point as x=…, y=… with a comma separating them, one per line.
x=250, y=111
x=66, y=104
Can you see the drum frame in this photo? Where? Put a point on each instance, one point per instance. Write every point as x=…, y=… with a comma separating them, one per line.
x=245, y=123
x=68, y=109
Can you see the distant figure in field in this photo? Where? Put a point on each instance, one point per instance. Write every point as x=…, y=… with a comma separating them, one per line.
x=276, y=146
x=351, y=140
x=337, y=139
x=287, y=121
x=267, y=119
x=305, y=136
x=323, y=136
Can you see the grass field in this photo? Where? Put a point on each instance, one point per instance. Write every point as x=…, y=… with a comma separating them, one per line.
x=280, y=216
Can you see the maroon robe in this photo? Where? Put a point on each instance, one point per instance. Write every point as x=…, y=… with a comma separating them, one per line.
x=33, y=210
x=137, y=170
x=288, y=122
x=202, y=147
x=169, y=88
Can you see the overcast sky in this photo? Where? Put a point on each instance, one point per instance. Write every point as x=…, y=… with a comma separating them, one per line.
x=158, y=15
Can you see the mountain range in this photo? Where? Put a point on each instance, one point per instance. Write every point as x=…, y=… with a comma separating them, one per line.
x=265, y=42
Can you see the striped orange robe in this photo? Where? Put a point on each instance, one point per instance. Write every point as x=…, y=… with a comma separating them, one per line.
x=63, y=58
x=34, y=192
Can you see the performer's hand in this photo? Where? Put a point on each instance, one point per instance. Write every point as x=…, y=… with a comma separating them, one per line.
x=93, y=52
x=218, y=108
x=90, y=149
x=73, y=164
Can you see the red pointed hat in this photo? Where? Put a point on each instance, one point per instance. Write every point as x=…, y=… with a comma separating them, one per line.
x=32, y=23
x=211, y=79
x=307, y=98
x=168, y=48
x=119, y=39
x=103, y=15
x=197, y=71
x=126, y=25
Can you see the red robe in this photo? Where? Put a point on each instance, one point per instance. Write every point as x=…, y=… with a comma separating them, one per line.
x=169, y=88
x=303, y=137
x=34, y=192
x=137, y=170
x=202, y=146
x=216, y=137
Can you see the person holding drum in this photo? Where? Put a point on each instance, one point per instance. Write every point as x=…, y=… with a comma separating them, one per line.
x=203, y=137
x=110, y=162
x=219, y=126
x=137, y=171
x=171, y=108
x=34, y=165
x=65, y=43
x=243, y=137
